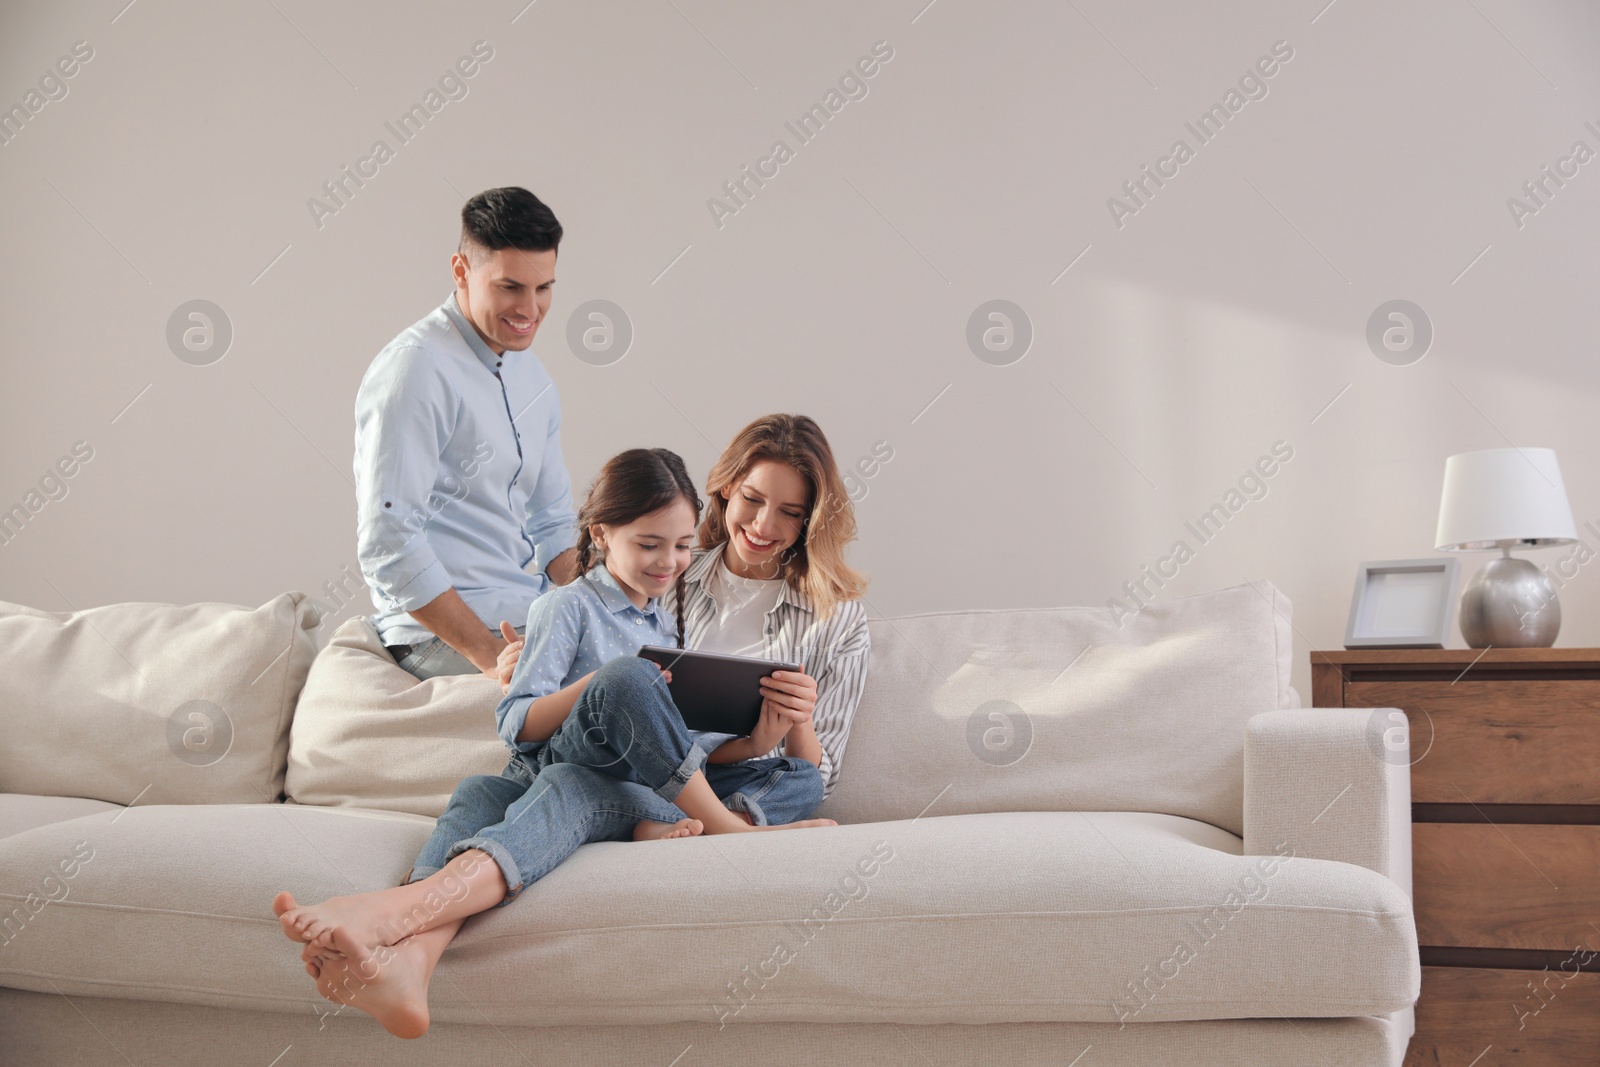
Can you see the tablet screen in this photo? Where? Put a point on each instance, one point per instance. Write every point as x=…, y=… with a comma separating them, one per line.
x=715, y=692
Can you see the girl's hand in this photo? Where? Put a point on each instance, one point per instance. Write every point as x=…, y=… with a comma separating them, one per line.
x=506, y=665
x=792, y=693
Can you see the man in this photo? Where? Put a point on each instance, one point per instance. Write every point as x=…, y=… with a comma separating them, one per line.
x=460, y=482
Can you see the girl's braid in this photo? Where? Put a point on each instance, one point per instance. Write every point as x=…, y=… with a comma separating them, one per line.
x=681, y=606
x=585, y=551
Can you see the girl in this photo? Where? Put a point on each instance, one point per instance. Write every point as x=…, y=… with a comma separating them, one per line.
x=610, y=752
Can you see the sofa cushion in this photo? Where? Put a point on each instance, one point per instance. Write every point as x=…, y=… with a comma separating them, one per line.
x=367, y=733
x=984, y=918
x=976, y=711
x=22, y=811
x=159, y=703
x=1067, y=709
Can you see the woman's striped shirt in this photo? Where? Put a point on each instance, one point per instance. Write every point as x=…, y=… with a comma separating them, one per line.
x=834, y=650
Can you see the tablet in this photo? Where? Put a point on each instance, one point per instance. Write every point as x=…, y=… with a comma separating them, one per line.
x=716, y=693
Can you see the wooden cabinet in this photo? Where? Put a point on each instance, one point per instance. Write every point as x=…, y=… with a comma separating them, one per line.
x=1505, y=791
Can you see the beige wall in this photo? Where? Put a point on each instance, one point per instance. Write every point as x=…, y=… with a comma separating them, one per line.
x=1220, y=318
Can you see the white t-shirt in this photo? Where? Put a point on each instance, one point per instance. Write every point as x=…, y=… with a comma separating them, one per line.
x=737, y=628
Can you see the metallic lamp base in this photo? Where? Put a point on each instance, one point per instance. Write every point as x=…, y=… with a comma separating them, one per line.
x=1510, y=604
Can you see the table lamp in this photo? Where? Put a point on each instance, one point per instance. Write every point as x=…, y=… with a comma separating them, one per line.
x=1506, y=498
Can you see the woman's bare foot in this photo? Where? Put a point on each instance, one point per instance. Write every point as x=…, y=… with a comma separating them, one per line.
x=697, y=796
x=391, y=984
x=650, y=830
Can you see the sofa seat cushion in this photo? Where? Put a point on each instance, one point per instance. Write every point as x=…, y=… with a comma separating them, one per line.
x=24, y=811
x=978, y=918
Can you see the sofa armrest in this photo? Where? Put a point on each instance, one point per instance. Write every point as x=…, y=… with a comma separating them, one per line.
x=1334, y=783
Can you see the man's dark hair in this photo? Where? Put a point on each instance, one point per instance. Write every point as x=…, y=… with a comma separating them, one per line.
x=508, y=217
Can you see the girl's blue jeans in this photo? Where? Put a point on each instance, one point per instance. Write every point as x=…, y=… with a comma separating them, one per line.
x=622, y=755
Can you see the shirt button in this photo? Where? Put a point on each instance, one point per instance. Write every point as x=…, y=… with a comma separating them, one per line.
x=638, y=621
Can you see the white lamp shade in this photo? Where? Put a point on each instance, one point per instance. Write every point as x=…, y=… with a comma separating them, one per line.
x=1503, y=495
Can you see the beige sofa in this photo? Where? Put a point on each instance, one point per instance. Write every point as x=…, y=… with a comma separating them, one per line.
x=1061, y=841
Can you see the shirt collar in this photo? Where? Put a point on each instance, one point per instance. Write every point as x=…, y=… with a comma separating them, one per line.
x=469, y=334
x=700, y=568
x=611, y=594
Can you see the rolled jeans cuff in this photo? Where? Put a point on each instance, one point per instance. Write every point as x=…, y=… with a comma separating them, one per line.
x=694, y=762
x=740, y=802
x=502, y=859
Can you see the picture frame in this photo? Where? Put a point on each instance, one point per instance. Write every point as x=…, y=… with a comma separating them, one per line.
x=1403, y=603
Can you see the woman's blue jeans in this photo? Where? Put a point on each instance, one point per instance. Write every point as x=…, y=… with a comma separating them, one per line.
x=622, y=755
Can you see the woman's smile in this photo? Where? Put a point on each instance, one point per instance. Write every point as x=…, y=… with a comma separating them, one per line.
x=754, y=545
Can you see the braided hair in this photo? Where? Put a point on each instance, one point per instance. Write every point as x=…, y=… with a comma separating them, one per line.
x=633, y=484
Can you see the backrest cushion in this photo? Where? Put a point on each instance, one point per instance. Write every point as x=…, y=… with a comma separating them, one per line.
x=159, y=703
x=1067, y=709
x=368, y=734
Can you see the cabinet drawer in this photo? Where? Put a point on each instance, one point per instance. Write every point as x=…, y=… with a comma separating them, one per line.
x=1496, y=742
x=1468, y=1015
x=1515, y=885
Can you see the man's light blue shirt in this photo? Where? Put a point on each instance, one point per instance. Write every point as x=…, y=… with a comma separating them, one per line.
x=460, y=481
x=575, y=629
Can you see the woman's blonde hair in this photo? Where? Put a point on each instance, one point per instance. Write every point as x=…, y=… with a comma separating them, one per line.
x=814, y=564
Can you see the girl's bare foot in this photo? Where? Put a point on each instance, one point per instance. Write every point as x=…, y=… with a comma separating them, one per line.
x=315, y=952
x=315, y=957
x=650, y=830
x=282, y=904
x=391, y=984
x=367, y=919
